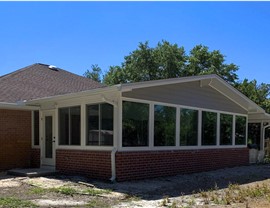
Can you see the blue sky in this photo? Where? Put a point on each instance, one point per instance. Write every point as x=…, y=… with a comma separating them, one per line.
x=75, y=35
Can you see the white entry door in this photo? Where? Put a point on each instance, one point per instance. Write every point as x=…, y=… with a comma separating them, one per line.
x=48, y=141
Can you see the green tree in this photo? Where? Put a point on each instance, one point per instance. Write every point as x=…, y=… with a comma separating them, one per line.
x=258, y=93
x=168, y=60
x=202, y=61
x=94, y=73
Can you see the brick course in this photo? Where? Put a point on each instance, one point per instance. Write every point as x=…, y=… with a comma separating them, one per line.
x=148, y=164
x=15, y=139
x=93, y=164
x=35, y=158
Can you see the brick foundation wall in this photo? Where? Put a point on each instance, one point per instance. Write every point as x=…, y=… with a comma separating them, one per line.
x=15, y=139
x=35, y=158
x=148, y=164
x=93, y=164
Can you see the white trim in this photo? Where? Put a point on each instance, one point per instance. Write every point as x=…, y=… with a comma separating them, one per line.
x=177, y=130
x=92, y=148
x=199, y=146
x=15, y=106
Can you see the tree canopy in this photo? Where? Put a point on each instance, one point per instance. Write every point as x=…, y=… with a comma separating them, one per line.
x=167, y=60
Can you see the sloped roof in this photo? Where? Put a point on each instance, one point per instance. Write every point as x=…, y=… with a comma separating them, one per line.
x=40, y=80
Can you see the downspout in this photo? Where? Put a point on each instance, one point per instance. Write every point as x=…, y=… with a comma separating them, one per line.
x=114, y=150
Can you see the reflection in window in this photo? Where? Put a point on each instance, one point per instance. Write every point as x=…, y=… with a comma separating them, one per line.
x=70, y=126
x=188, y=127
x=209, y=128
x=135, y=124
x=226, y=129
x=100, y=125
x=240, y=130
x=164, y=125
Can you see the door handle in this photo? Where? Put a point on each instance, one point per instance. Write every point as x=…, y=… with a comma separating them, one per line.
x=53, y=139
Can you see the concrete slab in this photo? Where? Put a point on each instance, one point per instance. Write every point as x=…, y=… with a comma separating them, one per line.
x=32, y=172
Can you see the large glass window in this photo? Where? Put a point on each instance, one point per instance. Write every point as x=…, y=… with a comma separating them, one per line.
x=188, y=127
x=135, y=124
x=70, y=126
x=99, y=125
x=240, y=130
x=209, y=128
x=226, y=129
x=164, y=125
x=36, y=127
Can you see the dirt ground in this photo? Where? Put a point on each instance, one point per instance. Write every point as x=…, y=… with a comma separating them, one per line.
x=176, y=191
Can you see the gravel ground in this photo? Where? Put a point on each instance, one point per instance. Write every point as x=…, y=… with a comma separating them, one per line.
x=143, y=193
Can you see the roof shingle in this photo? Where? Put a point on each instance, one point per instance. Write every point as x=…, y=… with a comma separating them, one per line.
x=38, y=80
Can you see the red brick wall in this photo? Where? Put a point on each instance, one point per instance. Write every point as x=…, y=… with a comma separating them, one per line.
x=35, y=158
x=147, y=164
x=15, y=139
x=93, y=164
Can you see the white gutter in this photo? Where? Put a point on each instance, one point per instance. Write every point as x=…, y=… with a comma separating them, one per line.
x=16, y=106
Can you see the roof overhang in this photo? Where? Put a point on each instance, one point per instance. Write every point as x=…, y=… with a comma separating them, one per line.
x=212, y=80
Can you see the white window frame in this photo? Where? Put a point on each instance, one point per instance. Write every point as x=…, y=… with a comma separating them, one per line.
x=178, y=147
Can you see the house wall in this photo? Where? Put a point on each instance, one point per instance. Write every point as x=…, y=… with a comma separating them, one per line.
x=15, y=139
x=93, y=164
x=132, y=165
x=187, y=94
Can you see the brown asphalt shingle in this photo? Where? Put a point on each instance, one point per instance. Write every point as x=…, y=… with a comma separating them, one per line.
x=38, y=80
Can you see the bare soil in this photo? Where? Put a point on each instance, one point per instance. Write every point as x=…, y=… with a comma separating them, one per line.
x=172, y=191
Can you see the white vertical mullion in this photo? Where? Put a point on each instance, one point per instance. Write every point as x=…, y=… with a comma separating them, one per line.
x=177, y=131
x=218, y=130
x=246, y=130
x=120, y=123
x=151, y=125
x=83, y=125
x=233, y=138
x=99, y=123
x=200, y=128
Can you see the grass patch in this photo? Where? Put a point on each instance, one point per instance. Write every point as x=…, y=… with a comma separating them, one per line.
x=64, y=190
x=37, y=190
x=235, y=194
x=98, y=203
x=95, y=192
x=11, y=202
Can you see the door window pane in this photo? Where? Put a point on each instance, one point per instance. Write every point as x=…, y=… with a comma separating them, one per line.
x=226, y=129
x=209, y=128
x=48, y=136
x=165, y=124
x=240, y=130
x=188, y=127
x=135, y=124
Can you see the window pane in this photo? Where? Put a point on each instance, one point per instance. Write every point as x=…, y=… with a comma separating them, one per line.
x=64, y=126
x=48, y=137
x=226, y=125
x=188, y=127
x=209, y=128
x=240, y=130
x=164, y=130
x=93, y=125
x=36, y=127
x=75, y=125
x=106, y=137
x=135, y=124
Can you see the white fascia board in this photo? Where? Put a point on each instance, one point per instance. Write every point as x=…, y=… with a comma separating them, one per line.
x=73, y=95
x=15, y=106
x=236, y=96
x=259, y=116
x=138, y=85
